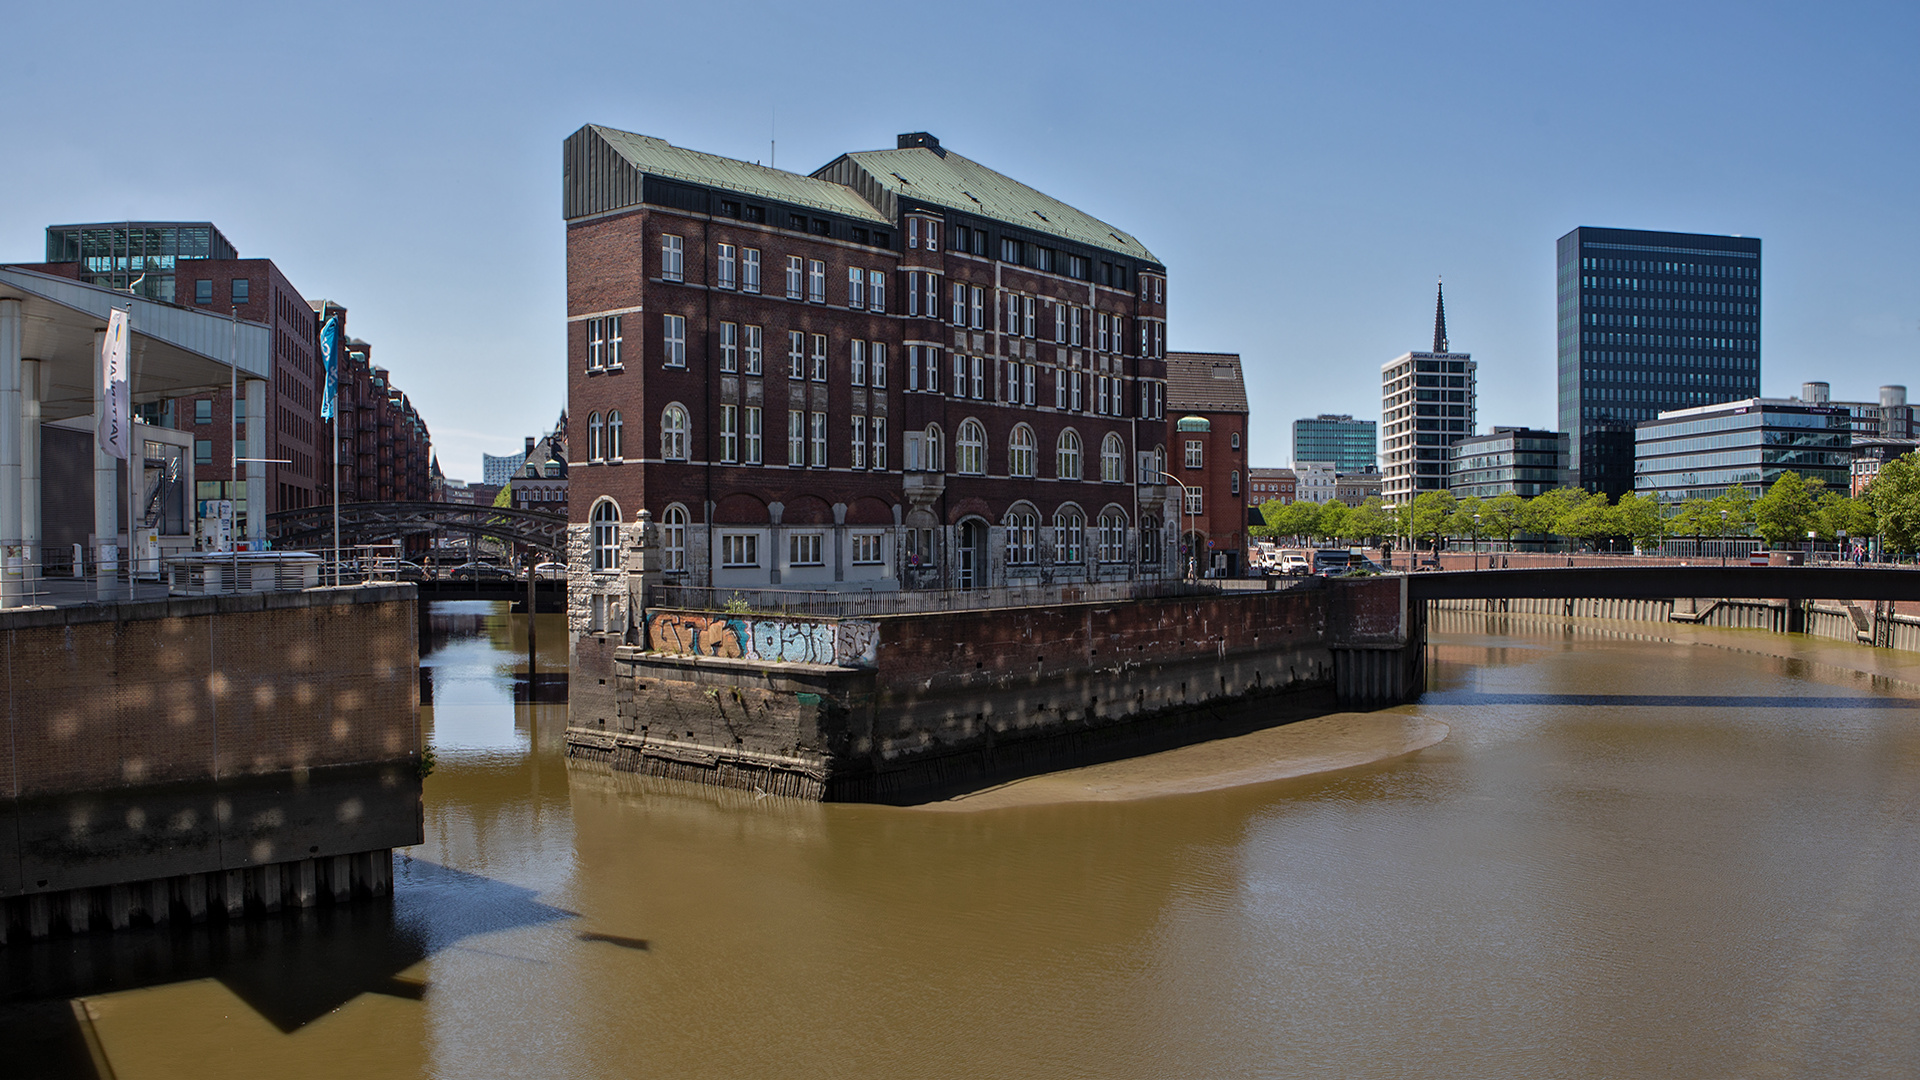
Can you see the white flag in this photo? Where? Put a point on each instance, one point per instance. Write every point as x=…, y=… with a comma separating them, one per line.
x=115, y=433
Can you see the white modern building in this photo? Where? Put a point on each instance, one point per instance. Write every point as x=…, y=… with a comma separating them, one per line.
x=1428, y=401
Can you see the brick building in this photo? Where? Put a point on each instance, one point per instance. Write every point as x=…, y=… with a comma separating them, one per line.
x=1268, y=485
x=904, y=370
x=386, y=451
x=1207, y=434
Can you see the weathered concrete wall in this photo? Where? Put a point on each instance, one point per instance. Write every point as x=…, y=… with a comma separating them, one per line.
x=1865, y=623
x=954, y=700
x=151, y=741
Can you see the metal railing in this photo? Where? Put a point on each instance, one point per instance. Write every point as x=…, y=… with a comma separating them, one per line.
x=913, y=601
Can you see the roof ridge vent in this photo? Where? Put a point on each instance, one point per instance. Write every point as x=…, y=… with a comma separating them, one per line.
x=919, y=139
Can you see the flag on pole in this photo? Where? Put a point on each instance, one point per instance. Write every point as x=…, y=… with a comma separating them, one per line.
x=329, y=353
x=115, y=423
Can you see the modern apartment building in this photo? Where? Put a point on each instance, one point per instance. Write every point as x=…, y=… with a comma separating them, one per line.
x=1703, y=451
x=1509, y=460
x=1428, y=401
x=1352, y=445
x=1207, y=414
x=903, y=370
x=1649, y=322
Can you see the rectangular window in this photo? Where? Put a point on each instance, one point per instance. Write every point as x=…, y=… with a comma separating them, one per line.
x=1011, y=388
x=203, y=411
x=932, y=285
x=816, y=281
x=739, y=550
x=729, y=346
x=1076, y=391
x=877, y=364
x=796, y=355
x=859, y=442
x=857, y=362
x=1100, y=339
x=879, y=425
x=203, y=451
x=933, y=236
x=876, y=290
x=1059, y=389
x=1026, y=316
x=203, y=291
x=1119, y=337
x=819, y=440
x=1159, y=339
x=959, y=375
x=1100, y=395
x=672, y=256
x=959, y=304
x=819, y=358
x=750, y=270
x=1027, y=384
x=1194, y=453
x=238, y=290
x=979, y=378
x=753, y=351
x=913, y=233
x=596, y=343
x=752, y=430
x=933, y=370
x=1193, y=501
x=865, y=548
x=729, y=266
x=613, y=341
x=729, y=433
x=793, y=277
x=796, y=438
x=856, y=287
x=979, y=307
x=674, y=336
x=805, y=549
x=1011, y=325
x=1009, y=250
x=1073, y=326
x=913, y=367
x=1059, y=324
x=913, y=293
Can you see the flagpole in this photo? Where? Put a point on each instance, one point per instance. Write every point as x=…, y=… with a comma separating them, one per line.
x=233, y=434
x=132, y=433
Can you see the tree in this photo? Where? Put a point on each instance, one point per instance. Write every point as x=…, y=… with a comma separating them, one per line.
x=1331, y=523
x=1467, y=518
x=1834, y=513
x=1895, y=498
x=1587, y=518
x=1502, y=514
x=1371, y=520
x=1639, y=517
x=1785, y=512
x=1695, y=517
x=1737, y=505
x=1428, y=515
x=1292, y=520
x=1543, y=512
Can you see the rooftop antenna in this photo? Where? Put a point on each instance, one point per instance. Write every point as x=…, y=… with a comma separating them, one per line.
x=773, y=131
x=1440, y=316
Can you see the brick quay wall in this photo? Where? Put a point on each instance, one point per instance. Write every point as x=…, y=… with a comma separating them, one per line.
x=905, y=708
x=188, y=755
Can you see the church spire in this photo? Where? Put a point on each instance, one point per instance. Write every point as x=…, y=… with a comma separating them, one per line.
x=1440, y=318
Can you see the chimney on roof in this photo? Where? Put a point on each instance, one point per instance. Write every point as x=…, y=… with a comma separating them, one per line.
x=919, y=138
x=529, y=446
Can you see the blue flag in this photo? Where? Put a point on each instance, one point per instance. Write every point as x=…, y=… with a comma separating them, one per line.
x=329, y=354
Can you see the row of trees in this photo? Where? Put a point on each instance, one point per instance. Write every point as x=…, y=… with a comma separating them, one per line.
x=1786, y=512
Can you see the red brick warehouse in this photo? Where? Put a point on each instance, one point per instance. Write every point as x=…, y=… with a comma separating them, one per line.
x=904, y=370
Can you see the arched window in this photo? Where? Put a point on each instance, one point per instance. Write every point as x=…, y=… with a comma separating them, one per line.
x=606, y=534
x=970, y=449
x=1113, y=536
x=673, y=434
x=935, y=449
x=593, y=438
x=1023, y=536
x=1066, y=456
x=1160, y=463
x=1069, y=536
x=613, y=435
x=1113, y=466
x=673, y=540
x=1020, y=453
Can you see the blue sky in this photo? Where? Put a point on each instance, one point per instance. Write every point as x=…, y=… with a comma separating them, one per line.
x=1305, y=171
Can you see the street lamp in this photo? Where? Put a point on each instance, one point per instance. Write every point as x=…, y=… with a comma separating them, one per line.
x=1841, y=553
x=1476, y=543
x=1810, y=538
x=1186, y=511
x=1723, y=538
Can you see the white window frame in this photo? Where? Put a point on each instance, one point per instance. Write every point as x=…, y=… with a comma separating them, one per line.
x=795, y=273
x=796, y=354
x=816, y=281
x=877, y=364
x=739, y=551
x=750, y=270
x=676, y=433
x=595, y=436
x=674, y=340
x=866, y=549
x=616, y=438
x=857, y=362
x=673, y=256
x=751, y=431
x=1027, y=322
x=1067, y=454
x=596, y=343
x=1026, y=380
x=1021, y=452
x=796, y=438
x=1196, y=454
x=605, y=524
x=979, y=299
x=819, y=358
x=859, y=441
x=729, y=434
x=878, y=426
x=959, y=303
x=856, y=288
x=970, y=449
x=1113, y=459
x=727, y=264
x=876, y=290
x=979, y=378
x=729, y=346
x=750, y=345
x=819, y=440
x=614, y=342
x=673, y=539
x=806, y=549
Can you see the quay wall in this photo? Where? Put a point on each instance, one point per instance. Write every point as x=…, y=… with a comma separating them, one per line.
x=187, y=755
x=908, y=707
x=1865, y=623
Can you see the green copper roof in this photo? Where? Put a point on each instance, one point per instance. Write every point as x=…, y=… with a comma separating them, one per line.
x=659, y=157
x=947, y=179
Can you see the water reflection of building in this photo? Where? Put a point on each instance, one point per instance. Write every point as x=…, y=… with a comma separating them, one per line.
x=1701, y=452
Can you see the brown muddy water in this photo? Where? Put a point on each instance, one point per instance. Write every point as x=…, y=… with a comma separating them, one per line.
x=1627, y=857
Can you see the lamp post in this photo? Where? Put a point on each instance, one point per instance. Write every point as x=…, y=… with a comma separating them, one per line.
x=1810, y=538
x=1840, y=552
x=1723, y=538
x=1476, y=542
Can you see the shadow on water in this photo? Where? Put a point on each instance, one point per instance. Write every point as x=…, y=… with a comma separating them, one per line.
x=292, y=969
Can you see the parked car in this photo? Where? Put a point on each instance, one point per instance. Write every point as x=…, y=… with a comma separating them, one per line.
x=1293, y=564
x=479, y=571
x=1331, y=561
x=551, y=571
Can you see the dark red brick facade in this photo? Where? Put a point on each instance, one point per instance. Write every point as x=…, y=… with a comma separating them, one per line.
x=902, y=497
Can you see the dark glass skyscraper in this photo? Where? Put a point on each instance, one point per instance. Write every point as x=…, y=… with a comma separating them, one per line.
x=1650, y=321
x=1352, y=445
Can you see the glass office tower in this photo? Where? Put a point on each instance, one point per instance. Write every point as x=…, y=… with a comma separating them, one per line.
x=1352, y=445
x=119, y=254
x=1650, y=322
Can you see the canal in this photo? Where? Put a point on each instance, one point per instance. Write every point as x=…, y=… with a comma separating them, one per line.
x=1687, y=852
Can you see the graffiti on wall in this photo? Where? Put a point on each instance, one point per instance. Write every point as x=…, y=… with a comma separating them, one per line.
x=843, y=643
